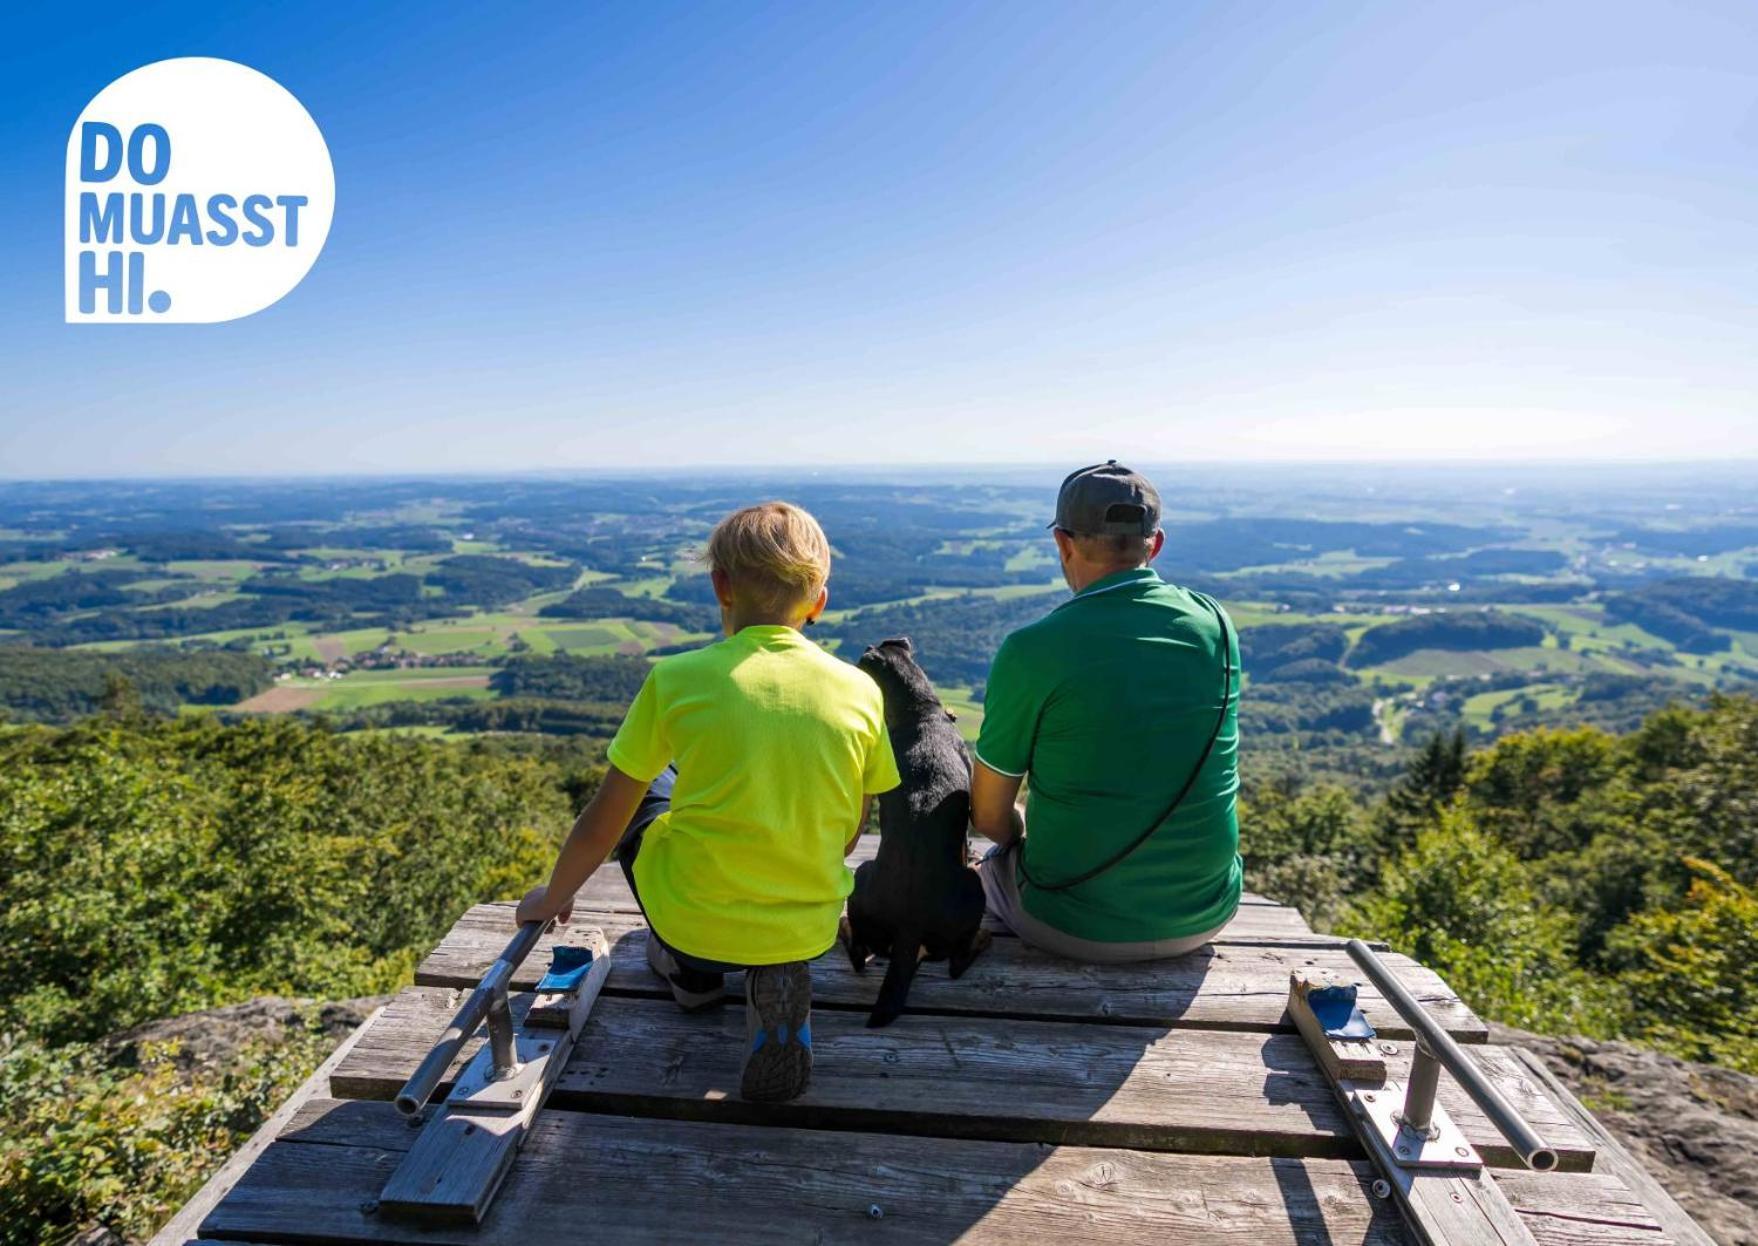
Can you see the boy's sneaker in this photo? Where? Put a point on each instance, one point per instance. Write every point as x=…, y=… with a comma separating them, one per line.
x=778, y=1031
x=693, y=989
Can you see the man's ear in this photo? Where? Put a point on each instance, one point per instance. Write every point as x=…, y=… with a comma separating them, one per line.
x=1064, y=545
x=1159, y=543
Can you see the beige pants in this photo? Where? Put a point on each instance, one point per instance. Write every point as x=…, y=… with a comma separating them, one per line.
x=1001, y=894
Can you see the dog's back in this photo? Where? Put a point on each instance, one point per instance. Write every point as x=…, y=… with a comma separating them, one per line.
x=918, y=899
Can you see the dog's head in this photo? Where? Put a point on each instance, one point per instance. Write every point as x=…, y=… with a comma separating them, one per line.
x=907, y=690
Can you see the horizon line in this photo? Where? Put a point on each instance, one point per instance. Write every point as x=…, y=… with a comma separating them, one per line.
x=748, y=469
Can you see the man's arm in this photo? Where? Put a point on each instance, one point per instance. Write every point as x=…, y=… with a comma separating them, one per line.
x=993, y=813
x=595, y=834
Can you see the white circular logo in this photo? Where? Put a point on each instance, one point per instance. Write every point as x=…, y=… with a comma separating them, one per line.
x=198, y=190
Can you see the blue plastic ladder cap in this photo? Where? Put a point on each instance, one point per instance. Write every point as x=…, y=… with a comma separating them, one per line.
x=1334, y=1006
x=567, y=969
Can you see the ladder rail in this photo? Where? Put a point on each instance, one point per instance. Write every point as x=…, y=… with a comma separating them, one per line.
x=487, y=1002
x=1434, y=1046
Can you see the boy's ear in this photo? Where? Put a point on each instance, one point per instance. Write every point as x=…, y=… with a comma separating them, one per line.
x=818, y=605
x=722, y=587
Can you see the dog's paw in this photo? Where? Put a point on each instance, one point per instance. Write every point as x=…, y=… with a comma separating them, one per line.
x=858, y=955
x=962, y=959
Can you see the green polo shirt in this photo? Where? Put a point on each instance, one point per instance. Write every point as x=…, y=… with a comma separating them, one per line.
x=1107, y=702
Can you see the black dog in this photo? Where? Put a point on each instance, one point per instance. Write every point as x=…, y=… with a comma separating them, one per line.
x=918, y=899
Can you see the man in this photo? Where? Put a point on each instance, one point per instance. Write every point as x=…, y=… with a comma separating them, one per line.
x=1121, y=705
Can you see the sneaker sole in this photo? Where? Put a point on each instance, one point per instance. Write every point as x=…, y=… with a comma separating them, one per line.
x=780, y=1068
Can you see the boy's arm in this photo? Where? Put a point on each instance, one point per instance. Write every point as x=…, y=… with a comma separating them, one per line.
x=595, y=834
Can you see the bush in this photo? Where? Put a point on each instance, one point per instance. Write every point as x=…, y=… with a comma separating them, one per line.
x=1462, y=904
x=1691, y=974
x=1304, y=849
x=83, y=1140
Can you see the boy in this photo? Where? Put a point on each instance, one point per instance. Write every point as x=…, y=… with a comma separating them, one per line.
x=736, y=786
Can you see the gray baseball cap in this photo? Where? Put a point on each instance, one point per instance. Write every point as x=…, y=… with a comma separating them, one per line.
x=1107, y=499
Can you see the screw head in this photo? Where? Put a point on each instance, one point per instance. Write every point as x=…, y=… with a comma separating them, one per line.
x=1388, y=1049
x=1368, y=1097
x=1382, y=1188
x=369, y=1207
x=875, y=1212
x=1403, y=1148
x=1462, y=1151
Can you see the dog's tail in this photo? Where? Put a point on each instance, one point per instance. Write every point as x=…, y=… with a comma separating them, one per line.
x=906, y=954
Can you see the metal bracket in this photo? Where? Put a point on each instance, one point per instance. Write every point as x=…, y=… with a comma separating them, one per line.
x=1442, y=1145
x=480, y=1088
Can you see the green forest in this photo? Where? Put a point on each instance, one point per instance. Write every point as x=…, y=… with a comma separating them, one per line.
x=1568, y=881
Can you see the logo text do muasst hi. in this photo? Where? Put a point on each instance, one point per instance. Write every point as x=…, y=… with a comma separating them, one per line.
x=122, y=227
x=198, y=190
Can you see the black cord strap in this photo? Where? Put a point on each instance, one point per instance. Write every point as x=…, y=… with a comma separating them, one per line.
x=1189, y=782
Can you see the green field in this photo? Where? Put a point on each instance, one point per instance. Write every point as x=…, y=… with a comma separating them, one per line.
x=361, y=689
x=1479, y=710
x=661, y=546
x=1429, y=664
x=957, y=698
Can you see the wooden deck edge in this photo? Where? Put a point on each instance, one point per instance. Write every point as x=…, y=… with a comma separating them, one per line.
x=182, y=1227
x=1612, y=1158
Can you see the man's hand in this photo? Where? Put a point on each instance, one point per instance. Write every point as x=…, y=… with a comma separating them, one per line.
x=538, y=907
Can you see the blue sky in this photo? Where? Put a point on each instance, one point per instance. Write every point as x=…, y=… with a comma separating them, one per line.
x=586, y=236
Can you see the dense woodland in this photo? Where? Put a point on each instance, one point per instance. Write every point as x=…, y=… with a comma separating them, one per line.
x=1474, y=631
x=565, y=677
x=1568, y=881
x=58, y=686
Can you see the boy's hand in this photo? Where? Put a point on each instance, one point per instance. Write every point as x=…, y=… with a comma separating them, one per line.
x=538, y=907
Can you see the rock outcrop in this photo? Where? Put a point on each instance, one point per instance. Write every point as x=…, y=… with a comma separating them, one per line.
x=215, y=1036
x=1694, y=1127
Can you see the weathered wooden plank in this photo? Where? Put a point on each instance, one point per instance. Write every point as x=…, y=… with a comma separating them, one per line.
x=1132, y=1086
x=639, y=1181
x=1599, y=1210
x=1222, y=986
x=643, y=1181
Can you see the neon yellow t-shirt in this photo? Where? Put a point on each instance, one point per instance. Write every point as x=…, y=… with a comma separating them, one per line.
x=776, y=743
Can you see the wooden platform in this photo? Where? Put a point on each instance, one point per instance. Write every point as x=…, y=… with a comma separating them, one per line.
x=1032, y=1100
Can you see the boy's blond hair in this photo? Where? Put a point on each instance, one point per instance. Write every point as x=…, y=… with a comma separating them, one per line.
x=775, y=554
